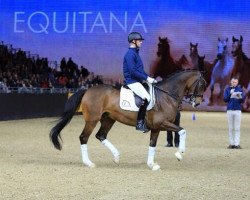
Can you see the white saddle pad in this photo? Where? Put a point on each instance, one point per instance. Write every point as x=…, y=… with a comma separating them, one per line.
x=127, y=99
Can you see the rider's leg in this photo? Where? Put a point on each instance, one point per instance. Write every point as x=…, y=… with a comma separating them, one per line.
x=141, y=124
x=139, y=90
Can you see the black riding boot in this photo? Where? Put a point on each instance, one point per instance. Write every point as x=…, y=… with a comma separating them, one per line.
x=141, y=124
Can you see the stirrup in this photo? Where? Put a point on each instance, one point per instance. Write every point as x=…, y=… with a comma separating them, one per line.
x=141, y=126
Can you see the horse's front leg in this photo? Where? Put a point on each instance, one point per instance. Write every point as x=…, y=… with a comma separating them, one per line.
x=182, y=142
x=151, y=150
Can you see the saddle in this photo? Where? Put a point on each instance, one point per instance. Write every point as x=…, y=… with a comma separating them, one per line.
x=132, y=102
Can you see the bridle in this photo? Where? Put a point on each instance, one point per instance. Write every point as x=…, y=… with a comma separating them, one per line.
x=195, y=94
x=191, y=96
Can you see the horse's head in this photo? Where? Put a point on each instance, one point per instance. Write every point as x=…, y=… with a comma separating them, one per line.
x=222, y=48
x=195, y=89
x=201, y=65
x=193, y=49
x=237, y=46
x=163, y=46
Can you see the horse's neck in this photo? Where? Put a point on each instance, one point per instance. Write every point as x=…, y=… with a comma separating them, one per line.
x=242, y=65
x=239, y=60
x=228, y=57
x=181, y=81
x=242, y=58
x=194, y=60
x=229, y=61
x=167, y=57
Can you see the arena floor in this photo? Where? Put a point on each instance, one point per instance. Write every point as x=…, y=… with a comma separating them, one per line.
x=30, y=168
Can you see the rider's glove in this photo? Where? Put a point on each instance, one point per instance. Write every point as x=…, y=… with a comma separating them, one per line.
x=151, y=80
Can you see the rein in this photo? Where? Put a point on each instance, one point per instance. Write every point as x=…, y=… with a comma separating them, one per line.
x=176, y=97
x=168, y=93
x=191, y=96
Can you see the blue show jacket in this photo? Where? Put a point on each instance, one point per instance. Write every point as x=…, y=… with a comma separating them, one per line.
x=133, y=69
x=233, y=103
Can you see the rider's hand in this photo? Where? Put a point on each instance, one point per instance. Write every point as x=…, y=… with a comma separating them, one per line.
x=151, y=80
x=232, y=91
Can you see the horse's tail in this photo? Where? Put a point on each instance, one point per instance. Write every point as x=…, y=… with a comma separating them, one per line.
x=71, y=106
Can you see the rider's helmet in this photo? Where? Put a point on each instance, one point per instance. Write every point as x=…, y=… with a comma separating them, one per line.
x=134, y=36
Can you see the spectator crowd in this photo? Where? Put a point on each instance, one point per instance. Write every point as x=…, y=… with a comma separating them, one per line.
x=23, y=72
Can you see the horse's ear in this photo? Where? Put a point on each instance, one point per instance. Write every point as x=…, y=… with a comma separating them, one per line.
x=204, y=56
x=218, y=39
x=233, y=39
x=159, y=38
x=196, y=44
x=191, y=44
x=227, y=39
x=241, y=38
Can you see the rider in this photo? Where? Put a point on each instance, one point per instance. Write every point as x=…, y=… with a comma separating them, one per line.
x=134, y=75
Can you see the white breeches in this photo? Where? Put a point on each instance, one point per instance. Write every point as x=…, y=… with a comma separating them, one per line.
x=139, y=90
x=234, y=121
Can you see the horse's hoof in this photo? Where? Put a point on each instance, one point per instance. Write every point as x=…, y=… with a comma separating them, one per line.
x=178, y=155
x=90, y=165
x=116, y=160
x=154, y=167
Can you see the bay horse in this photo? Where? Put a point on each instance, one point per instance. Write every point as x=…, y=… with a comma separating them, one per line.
x=207, y=66
x=242, y=63
x=165, y=64
x=101, y=103
x=222, y=70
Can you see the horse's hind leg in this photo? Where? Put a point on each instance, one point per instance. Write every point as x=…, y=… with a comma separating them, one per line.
x=89, y=127
x=106, y=125
x=151, y=150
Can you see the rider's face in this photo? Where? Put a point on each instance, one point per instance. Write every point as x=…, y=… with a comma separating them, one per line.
x=234, y=82
x=138, y=43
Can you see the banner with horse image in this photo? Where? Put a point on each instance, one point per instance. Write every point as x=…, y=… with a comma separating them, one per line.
x=207, y=35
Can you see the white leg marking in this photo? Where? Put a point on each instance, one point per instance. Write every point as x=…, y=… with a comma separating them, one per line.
x=85, y=158
x=151, y=164
x=113, y=150
x=182, y=146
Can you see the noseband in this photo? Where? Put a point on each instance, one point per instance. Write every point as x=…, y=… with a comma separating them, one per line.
x=194, y=95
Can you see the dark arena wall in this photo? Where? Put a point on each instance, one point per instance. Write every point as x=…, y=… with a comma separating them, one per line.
x=23, y=106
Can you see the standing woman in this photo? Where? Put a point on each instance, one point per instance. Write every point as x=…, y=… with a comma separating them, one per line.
x=234, y=96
